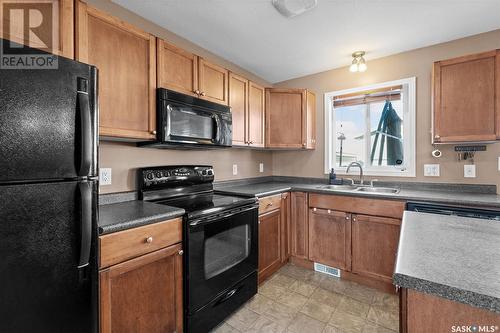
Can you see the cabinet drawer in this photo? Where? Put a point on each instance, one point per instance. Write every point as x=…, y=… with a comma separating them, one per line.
x=270, y=203
x=123, y=245
x=367, y=206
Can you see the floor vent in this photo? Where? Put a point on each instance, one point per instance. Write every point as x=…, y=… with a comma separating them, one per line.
x=327, y=269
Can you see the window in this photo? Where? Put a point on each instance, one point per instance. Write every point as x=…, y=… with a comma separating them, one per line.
x=373, y=125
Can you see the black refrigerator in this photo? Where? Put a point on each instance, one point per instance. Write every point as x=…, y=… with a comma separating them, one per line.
x=48, y=199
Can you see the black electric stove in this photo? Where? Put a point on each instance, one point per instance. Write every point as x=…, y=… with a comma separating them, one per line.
x=220, y=240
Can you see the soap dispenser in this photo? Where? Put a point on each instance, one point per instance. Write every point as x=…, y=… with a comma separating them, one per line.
x=332, y=177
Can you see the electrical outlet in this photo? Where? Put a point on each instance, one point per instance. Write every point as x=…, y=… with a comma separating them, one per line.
x=261, y=167
x=431, y=170
x=235, y=169
x=104, y=176
x=469, y=171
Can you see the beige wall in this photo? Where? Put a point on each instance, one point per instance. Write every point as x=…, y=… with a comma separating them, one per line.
x=416, y=63
x=125, y=158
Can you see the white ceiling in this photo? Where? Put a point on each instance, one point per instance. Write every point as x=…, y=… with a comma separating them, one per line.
x=253, y=35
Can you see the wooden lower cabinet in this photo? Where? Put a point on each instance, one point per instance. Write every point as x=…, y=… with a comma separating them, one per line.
x=374, y=246
x=274, y=243
x=298, y=225
x=330, y=237
x=269, y=243
x=423, y=313
x=143, y=294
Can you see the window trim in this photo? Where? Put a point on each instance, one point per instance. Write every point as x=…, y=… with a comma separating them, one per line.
x=409, y=126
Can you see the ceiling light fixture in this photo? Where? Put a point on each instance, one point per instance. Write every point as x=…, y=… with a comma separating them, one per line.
x=291, y=8
x=358, y=62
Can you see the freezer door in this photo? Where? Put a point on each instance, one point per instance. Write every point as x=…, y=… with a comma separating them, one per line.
x=48, y=122
x=48, y=279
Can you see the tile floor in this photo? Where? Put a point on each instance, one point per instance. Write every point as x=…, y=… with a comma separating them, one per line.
x=297, y=300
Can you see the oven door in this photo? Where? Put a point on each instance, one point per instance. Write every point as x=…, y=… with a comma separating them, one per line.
x=189, y=124
x=221, y=251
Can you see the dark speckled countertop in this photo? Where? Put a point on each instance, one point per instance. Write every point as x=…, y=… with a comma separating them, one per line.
x=446, y=193
x=454, y=257
x=130, y=214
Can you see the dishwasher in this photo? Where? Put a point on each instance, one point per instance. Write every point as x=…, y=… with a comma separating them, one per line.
x=480, y=213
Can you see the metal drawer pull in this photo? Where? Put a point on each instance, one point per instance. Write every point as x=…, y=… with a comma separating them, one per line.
x=181, y=252
x=347, y=217
x=329, y=211
x=269, y=204
x=149, y=240
x=315, y=209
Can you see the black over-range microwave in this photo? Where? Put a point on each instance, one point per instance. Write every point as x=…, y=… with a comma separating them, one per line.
x=187, y=122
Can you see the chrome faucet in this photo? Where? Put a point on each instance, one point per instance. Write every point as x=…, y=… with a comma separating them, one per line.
x=360, y=171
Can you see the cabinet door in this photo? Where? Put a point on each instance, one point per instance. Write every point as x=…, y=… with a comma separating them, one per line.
x=43, y=36
x=177, y=69
x=374, y=246
x=238, y=101
x=269, y=243
x=256, y=115
x=310, y=127
x=299, y=222
x=126, y=59
x=330, y=237
x=429, y=313
x=285, y=227
x=213, y=82
x=143, y=294
x=464, y=99
x=285, y=117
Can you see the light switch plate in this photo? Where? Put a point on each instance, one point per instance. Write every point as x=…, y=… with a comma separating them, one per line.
x=261, y=167
x=431, y=170
x=469, y=171
x=104, y=176
x=235, y=169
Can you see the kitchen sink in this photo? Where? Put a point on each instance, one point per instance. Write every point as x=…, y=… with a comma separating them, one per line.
x=378, y=189
x=338, y=187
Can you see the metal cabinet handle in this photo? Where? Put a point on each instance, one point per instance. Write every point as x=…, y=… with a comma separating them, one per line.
x=269, y=204
x=329, y=211
x=153, y=132
x=197, y=92
x=347, y=217
x=315, y=209
x=149, y=240
x=250, y=142
x=202, y=93
x=181, y=252
x=304, y=144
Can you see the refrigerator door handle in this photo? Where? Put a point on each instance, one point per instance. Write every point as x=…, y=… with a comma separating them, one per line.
x=86, y=223
x=85, y=127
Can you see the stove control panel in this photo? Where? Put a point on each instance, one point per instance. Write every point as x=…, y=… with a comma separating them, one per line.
x=174, y=176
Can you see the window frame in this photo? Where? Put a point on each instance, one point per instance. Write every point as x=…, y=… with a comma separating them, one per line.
x=409, y=130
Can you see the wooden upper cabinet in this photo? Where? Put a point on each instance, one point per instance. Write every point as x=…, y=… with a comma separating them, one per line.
x=465, y=106
x=63, y=44
x=126, y=59
x=256, y=115
x=177, y=69
x=246, y=100
x=143, y=294
x=310, y=128
x=374, y=246
x=330, y=238
x=290, y=118
x=238, y=101
x=213, y=82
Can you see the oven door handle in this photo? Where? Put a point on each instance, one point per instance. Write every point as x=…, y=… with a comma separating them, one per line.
x=228, y=295
x=209, y=220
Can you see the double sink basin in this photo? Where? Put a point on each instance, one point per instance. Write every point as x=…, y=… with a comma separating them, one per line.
x=359, y=188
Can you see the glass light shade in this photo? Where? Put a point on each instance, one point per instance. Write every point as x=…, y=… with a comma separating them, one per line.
x=353, y=68
x=362, y=67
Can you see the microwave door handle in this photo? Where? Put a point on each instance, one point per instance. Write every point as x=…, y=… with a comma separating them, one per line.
x=168, y=129
x=217, y=128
